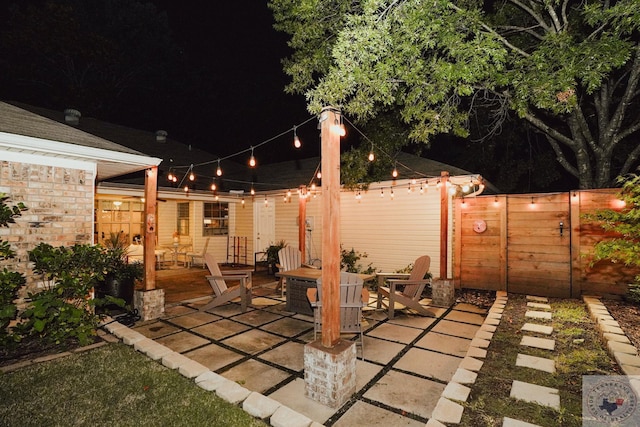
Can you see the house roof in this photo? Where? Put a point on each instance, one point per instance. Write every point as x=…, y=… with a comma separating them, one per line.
x=25, y=132
x=175, y=155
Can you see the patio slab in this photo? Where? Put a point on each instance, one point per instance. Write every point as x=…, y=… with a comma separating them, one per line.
x=541, y=329
x=457, y=329
x=429, y=364
x=287, y=326
x=445, y=344
x=156, y=329
x=420, y=322
x=214, y=356
x=397, y=333
x=374, y=416
x=535, y=314
x=182, y=341
x=256, y=317
x=464, y=317
x=412, y=394
x=176, y=310
x=290, y=355
x=545, y=396
x=255, y=376
x=380, y=351
x=543, y=343
x=253, y=341
x=194, y=319
x=292, y=395
x=539, y=363
x=221, y=329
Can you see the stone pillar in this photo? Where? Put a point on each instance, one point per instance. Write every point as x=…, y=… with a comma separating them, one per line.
x=442, y=293
x=330, y=373
x=150, y=304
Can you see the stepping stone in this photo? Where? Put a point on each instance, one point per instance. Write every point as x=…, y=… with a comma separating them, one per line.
x=477, y=352
x=434, y=423
x=537, y=299
x=533, y=362
x=471, y=364
x=539, y=305
x=488, y=328
x=494, y=315
x=538, y=314
x=608, y=329
x=484, y=335
x=607, y=322
x=545, y=396
x=490, y=321
x=510, y=422
x=543, y=343
x=541, y=329
x=478, y=342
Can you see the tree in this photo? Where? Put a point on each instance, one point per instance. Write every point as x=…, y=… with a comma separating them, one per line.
x=568, y=68
x=625, y=223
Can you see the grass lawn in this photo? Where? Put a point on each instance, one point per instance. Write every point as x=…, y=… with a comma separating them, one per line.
x=579, y=351
x=110, y=386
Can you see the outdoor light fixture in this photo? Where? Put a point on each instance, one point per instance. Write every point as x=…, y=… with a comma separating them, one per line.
x=242, y=202
x=392, y=193
x=381, y=192
x=266, y=201
x=253, y=191
x=252, y=159
x=338, y=127
x=395, y=172
x=421, y=189
x=219, y=170
x=319, y=175
x=213, y=186
x=170, y=176
x=296, y=140
x=372, y=157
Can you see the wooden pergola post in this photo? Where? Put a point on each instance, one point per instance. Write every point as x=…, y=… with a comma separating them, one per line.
x=444, y=223
x=302, y=223
x=150, y=202
x=330, y=158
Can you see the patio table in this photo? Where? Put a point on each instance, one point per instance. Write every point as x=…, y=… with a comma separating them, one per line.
x=301, y=279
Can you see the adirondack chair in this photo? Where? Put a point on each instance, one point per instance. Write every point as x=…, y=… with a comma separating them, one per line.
x=192, y=256
x=412, y=287
x=222, y=293
x=290, y=258
x=352, y=298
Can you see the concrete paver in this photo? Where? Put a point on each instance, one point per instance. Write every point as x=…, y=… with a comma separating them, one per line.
x=455, y=391
x=285, y=417
x=543, y=343
x=537, y=298
x=464, y=376
x=232, y=392
x=534, y=314
x=214, y=356
x=534, y=327
x=255, y=376
x=510, y=422
x=439, y=366
x=260, y=406
x=534, y=362
x=539, y=305
x=445, y=344
x=545, y=396
x=448, y=411
x=375, y=416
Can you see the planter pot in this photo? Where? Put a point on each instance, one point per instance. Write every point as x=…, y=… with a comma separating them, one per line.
x=117, y=288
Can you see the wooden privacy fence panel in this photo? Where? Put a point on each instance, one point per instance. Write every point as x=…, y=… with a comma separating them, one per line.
x=536, y=244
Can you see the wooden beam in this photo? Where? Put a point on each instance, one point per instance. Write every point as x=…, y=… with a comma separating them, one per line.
x=150, y=205
x=330, y=158
x=444, y=224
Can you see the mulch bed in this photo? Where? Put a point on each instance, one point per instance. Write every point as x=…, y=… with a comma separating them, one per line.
x=628, y=317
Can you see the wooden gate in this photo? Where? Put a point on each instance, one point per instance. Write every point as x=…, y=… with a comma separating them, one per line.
x=539, y=245
x=536, y=244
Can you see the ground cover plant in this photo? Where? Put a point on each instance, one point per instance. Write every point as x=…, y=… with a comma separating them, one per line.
x=110, y=386
x=579, y=351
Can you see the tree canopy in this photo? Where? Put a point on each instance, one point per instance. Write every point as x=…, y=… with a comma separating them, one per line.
x=568, y=68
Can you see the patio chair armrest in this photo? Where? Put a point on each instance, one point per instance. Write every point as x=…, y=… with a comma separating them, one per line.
x=410, y=282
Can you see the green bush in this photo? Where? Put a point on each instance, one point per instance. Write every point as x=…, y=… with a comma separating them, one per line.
x=626, y=223
x=349, y=262
x=63, y=310
x=10, y=281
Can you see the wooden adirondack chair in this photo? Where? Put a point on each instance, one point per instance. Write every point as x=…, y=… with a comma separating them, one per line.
x=192, y=256
x=290, y=258
x=352, y=298
x=412, y=287
x=222, y=293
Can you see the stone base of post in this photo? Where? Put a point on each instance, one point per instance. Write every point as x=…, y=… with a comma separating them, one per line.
x=442, y=293
x=330, y=373
x=150, y=304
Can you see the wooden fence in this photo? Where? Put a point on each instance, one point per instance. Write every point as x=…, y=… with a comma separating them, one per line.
x=537, y=244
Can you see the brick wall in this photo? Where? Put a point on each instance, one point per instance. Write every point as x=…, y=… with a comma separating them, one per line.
x=60, y=202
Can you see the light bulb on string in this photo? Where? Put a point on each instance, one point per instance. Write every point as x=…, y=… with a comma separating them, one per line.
x=213, y=186
x=338, y=127
x=296, y=140
x=175, y=179
x=170, y=176
x=289, y=193
x=438, y=184
x=392, y=193
x=394, y=173
x=421, y=189
x=372, y=156
x=465, y=188
x=253, y=191
x=266, y=201
x=319, y=175
x=381, y=192
x=242, y=202
x=186, y=188
x=192, y=176
x=217, y=197
x=252, y=159
x=218, y=169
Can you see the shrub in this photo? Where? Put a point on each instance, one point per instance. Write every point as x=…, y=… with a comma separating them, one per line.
x=10, y=281
x=349, y=262
x=626, y=223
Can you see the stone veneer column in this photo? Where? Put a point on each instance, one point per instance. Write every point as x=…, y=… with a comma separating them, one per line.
x=330, y=373
x=442, y=293
x=150, y=304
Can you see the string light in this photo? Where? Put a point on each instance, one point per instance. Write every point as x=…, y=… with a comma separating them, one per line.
x=395, y=172
x=319, y=175
x=217, y=197
x=266, y=201
x=296, y=140
x=252, y=159
x=170, y=176
x=213, y=186
x=438, y=184
x=372, y=156
x=381, y=192
x=421, y=189
x=242, y=202
x=253, y=191
x=219, y=170
x=392, y=193
x=192, y=177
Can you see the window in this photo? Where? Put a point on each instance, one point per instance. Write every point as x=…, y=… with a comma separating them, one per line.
x=216, y=219
x=182, y=225
x=118, y=216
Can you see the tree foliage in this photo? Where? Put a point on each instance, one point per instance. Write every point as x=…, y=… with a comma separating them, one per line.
x=568, y=68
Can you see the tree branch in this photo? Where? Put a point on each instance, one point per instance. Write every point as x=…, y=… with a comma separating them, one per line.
x=560, y=157
x=633, y=156
x=625, y=101
x=532, y=13
x=528, y=30
x=554, y=18
x=545, y=128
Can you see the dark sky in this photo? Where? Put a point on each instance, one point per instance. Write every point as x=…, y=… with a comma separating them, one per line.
x=236, y=42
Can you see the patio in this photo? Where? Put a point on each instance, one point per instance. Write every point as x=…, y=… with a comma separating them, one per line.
x=408, y=361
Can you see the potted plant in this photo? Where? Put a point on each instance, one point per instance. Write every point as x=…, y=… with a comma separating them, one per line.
x=272, y=255
x=119, y=274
